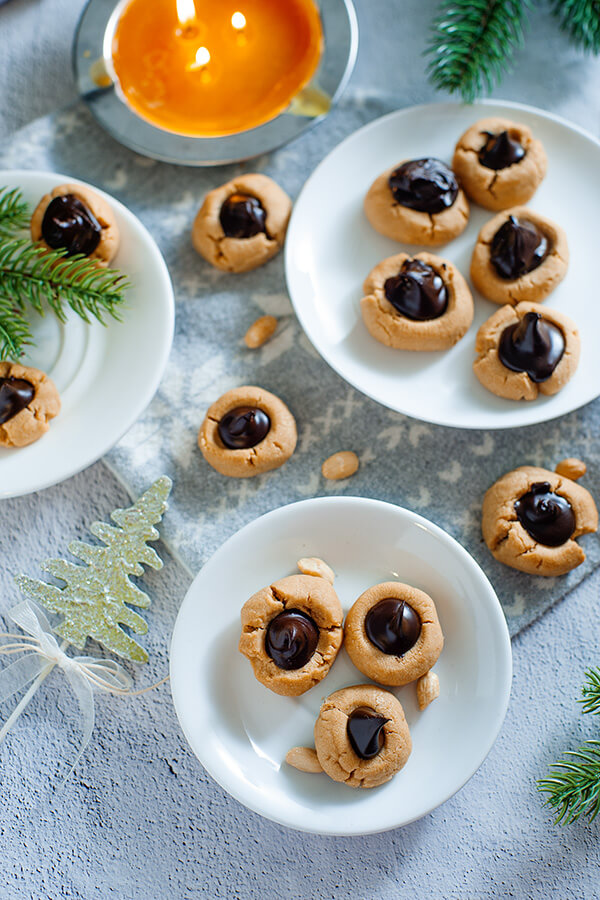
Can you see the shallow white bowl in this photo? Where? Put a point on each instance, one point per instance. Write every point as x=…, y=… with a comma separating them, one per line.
x=241, y=731
x=331, y=247
x=106, y=375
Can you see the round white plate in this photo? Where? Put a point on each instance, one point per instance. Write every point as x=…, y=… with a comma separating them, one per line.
x=331, y=247
x=241, y=731
x=106, y=375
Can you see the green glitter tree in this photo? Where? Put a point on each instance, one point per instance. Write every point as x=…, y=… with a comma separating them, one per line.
x=97, y=598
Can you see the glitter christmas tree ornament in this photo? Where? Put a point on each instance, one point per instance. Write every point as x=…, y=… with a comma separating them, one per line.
x=97, y=598
x=96, y=601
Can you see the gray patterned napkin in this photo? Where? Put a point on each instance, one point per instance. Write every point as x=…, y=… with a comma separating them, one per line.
x=439, y=472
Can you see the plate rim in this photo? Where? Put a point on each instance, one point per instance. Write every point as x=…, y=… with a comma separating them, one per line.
x=414, y=518
x=288, y=250
x=161, y=359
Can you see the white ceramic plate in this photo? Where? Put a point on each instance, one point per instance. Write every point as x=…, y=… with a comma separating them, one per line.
x=241, y=731
x=331, y=247
x=106, y=376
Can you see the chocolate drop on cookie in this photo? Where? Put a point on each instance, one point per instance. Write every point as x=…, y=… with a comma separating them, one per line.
x=15, y=395
x=517, y=247
x=500, y=151
x=70, y=225
x=242, y=216
x=417, y=291
x=292, y=638
x=393, y=626
x=365, y=731
x=546, y=516
x=534, y=345
x=427, y=185
x=244, y=427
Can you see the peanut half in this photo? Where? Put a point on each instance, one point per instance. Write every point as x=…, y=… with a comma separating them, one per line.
x=260, y=332
x=571, y=468
x=428, y=688
x=303, y=758
x=340, y=465
x=312, y=565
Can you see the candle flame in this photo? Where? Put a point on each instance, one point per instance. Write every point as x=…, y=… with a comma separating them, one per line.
x=202, y=58
x=186, y=11
x=238, y=20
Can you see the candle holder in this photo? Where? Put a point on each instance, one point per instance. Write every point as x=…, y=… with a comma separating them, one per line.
x=98, y=87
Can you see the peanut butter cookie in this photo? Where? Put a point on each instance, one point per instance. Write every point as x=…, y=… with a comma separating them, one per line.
x=532, y=517
x=242, y=224
x=519, y=255
x=28, y=400
x=418, y=202
x=247, y=431
x=419, y=302
x=76, y=219
x=499, y=163
x=292, y=632
x=526, y=350
x=393, y=633
x=361, y=736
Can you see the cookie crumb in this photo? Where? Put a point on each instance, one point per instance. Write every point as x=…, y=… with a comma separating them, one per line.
x=340, y=465
x=312, y=565
x=571, y=468
x=260, y=332
x=428, y=688
x=304, y=759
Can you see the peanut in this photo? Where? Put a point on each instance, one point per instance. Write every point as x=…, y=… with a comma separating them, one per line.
x=260, y=332
x=314, y=566
x=571, y=468
x=340, y=465
x=428, y=688
x=303, y=758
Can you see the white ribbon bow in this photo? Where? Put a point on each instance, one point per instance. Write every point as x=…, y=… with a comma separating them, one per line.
x=41, y=654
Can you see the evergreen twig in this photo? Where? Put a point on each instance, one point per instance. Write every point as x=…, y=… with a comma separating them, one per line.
x=473, y=42
x=580, y=19
x=13, y=211
x=15, y=333
x=573, y=785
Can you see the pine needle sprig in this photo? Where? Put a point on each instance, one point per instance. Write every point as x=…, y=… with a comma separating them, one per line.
x=14, y=213
x=573, y=785
x=33, y=276
x=473, y=42
x=580, y=19
x=15, y=333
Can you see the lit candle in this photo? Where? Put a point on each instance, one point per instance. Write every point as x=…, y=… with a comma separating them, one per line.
x=214, y=67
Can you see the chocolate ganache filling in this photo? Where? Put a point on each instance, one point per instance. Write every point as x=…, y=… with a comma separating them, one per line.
x=291, y=639
x=517, y=247
x=534, y=345
x=242, y=216
x=393, y=626
x=546, y=516
x=417, y=291
x=15, y=395
x=427, y=185
x=500, y=151
x=365, y=731
x=70, y=225
x=244, y=427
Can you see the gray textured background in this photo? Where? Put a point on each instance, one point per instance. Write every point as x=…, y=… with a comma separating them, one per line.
x=140, y=818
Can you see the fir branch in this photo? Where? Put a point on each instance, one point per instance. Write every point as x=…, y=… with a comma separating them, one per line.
x=580, y=19
x=473, y=42
x=15, y=333
x=14, y=214
x=591, y=692
x=573, y=786
x=34, y=276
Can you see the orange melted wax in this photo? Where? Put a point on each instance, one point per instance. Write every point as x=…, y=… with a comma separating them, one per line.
x=252, y=75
